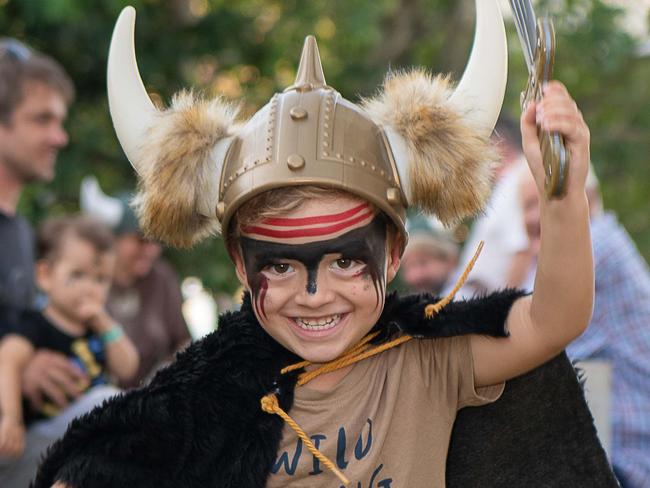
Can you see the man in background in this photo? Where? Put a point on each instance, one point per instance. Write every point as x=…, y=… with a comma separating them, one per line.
x=619, y=332
x=430, y=256
x=35, y=93
x=500, y=227
x=34, y=96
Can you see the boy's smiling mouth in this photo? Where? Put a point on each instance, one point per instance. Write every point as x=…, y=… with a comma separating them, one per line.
x=318, y=323
x=318, y=326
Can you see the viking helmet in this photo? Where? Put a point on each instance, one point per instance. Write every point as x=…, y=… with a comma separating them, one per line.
x=419, y=143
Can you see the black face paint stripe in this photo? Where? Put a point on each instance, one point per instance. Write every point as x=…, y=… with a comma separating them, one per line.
x=367, y=244
x=312, y=278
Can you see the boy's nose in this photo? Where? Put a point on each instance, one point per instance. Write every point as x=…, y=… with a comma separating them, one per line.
x=315, y=293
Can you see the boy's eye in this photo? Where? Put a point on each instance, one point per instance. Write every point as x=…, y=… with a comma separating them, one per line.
x=347, y=265
x=103, y=279
x=344, y=263
x=278, y=269
x=75, y=275
x=281, y=268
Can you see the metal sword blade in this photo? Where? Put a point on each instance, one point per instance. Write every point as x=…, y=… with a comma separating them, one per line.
x=531, y=22
x=527, y=38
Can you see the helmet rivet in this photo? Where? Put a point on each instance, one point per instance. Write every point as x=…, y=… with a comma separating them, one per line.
x=221, y=208
x=393, y=196
x=295, y=162
x=298, y=113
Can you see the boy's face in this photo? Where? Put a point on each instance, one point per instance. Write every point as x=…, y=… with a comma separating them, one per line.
x=77, y=280
x=318, y=275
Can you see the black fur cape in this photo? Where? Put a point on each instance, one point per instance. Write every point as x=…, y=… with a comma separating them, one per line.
x=199, y=422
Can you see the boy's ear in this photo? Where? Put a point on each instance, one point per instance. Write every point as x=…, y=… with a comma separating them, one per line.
x=240, y=269
x=42, y=270
x=394, y=257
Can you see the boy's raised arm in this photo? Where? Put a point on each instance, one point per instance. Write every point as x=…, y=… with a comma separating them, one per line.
x=561, y=305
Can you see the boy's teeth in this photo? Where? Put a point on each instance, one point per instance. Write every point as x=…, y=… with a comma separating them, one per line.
x=322, y=323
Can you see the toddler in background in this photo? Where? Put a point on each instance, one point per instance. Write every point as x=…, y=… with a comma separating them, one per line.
x=75, y=267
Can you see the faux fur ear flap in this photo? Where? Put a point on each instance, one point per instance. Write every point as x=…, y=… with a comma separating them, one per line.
x=450, y=162
x=179, y=179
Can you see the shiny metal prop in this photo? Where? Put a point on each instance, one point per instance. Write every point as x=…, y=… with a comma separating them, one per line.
x=538, y=44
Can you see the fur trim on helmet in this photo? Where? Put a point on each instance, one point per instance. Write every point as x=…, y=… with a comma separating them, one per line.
x=177, y=173
x=450, y=163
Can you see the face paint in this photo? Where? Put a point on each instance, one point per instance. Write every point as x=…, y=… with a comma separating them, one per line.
x=366, y=244
x=296, y=230
x=264, y=285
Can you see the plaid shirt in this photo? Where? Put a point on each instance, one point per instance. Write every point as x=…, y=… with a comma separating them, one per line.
x=620, y=334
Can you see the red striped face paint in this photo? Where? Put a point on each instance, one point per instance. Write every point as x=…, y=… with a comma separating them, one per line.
x=313, y=228
x=261, y=296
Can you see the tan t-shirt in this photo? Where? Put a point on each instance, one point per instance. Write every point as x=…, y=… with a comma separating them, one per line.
x=387, y=424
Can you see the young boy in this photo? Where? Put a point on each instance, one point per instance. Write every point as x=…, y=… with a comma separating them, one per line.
x=74, y=269
x=321, y=379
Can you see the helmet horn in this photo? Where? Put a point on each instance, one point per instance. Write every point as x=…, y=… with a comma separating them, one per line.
x=481, y=89
x=131, y=109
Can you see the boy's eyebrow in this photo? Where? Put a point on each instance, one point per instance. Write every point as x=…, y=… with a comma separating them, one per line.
x=315, y=226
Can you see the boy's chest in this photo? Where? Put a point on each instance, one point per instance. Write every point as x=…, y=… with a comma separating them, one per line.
x=378, y=430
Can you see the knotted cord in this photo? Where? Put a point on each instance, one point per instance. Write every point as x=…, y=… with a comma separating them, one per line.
x=270, y=405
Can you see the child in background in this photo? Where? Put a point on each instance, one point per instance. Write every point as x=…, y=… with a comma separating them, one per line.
x=74, y=269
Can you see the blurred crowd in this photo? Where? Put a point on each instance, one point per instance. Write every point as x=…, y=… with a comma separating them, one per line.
x=89, y=307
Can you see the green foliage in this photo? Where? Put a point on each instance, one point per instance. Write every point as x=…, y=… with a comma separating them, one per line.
x=248, y=49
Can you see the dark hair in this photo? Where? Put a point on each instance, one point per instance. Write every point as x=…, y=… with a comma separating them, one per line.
x=19, y=65
x=53, y=233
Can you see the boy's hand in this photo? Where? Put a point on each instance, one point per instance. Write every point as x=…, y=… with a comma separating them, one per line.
x=557, y=111
x=96, y=317
x=12, y=437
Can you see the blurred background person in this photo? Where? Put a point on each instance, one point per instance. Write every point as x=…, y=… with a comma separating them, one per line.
x=430, y=256
x=35, y=93
x=75, y=266
x=619, y=332
x=500, y=226
x=145, y=296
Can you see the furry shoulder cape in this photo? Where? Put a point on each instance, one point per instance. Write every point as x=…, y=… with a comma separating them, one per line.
x=199, y=422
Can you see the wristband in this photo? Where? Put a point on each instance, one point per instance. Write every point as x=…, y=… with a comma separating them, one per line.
x=112, y=334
